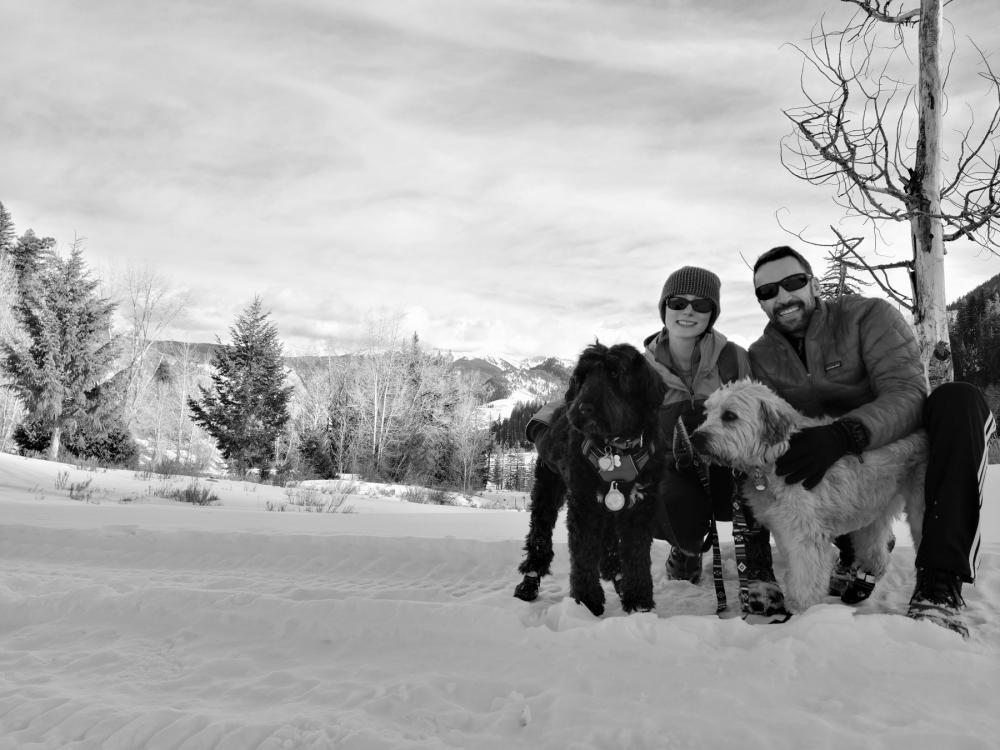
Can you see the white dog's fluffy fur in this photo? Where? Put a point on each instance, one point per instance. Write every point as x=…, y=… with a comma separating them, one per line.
x=748, y=426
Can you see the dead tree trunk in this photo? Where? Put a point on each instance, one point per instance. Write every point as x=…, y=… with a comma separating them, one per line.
x=929, y=316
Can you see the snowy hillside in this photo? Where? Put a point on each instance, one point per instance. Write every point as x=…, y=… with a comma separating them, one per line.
x=154, y=625
x=531, y=380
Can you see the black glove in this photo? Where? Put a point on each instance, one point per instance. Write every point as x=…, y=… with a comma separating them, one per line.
x=814, y=450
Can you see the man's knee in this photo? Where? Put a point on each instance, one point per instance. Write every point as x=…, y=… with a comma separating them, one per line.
x=949, y=400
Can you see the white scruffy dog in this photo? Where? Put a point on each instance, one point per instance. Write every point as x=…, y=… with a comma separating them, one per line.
x=748, y=426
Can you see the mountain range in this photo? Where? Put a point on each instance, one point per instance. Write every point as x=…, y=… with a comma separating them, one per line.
x=508, y=380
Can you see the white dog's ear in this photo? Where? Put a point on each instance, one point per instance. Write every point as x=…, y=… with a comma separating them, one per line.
x=775, y=424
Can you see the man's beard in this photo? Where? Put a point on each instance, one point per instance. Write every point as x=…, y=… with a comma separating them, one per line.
x=795, y=324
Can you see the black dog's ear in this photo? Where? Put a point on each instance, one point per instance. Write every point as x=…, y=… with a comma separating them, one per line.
x=776, y=424
x=590, y=356
x=571, y=389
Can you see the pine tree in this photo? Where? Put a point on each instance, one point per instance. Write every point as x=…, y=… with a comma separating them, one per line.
x=6, y=232
x=246, y=408
x=31, y=254
x=62, y=367
x=510, y=430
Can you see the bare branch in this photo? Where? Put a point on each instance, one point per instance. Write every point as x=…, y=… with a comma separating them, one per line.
x=880, y=12
x=857, y=135
x=843, y=254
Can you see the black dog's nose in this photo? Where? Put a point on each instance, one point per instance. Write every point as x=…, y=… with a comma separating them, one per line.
x=585, y=408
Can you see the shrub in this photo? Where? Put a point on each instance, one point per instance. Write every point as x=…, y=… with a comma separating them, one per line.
x=169, y=467
x=111, y=446
x=308, y=499
x=31, y=437
x=196, y=495
x=319, y=502
x=81, y=491
x=438, y=497
x=415, y=495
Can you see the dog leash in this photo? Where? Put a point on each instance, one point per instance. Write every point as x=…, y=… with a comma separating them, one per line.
x=741, y=534
x=721, y=605
x=743, y=531
x=685, y=456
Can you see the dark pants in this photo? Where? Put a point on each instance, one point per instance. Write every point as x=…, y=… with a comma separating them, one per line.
x=684, y=510
x=959, y=425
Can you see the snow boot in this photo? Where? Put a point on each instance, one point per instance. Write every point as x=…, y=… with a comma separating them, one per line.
x=937, y=598
x=859, y=588
x=683, y=567
x=841, y=577
x=848, y=581
x=527, y=589
x=763, y=603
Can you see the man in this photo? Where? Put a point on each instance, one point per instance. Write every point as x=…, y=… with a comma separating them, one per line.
x=857, y=359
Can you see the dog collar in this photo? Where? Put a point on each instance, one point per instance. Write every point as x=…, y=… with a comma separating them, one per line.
x=617, y=463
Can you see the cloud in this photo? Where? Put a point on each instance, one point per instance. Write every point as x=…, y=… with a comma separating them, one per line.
x=511, y=175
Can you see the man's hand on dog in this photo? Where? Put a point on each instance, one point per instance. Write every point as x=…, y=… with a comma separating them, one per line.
x=811, y=452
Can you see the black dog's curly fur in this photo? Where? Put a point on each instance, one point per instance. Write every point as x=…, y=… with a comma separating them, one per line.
x=613, y=393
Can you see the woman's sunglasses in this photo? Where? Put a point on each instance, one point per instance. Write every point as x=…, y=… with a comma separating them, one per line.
x=790, y=284
x=700, y=305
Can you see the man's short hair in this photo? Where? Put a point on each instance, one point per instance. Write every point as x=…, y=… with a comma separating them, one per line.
x=782, y=251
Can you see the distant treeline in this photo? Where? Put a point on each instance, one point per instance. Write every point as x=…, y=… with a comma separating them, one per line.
x=975, y=335
x=510, y=432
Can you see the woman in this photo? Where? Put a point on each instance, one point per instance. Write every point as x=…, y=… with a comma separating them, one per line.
x=693, y=359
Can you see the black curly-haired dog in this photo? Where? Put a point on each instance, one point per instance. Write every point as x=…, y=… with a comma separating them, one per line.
x=603, y=453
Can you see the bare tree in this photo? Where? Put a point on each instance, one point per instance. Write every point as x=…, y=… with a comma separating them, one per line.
x=149, y=305
x=469, y=432
x=878, y=140
x=11, y=408
x=185, y=381
x=344, y=441
x=379, y=394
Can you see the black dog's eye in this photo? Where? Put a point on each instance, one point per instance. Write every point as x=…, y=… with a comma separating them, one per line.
x=729, y=416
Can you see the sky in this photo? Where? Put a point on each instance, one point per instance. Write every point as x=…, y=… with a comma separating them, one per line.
x=164, y=626
x=513, y=177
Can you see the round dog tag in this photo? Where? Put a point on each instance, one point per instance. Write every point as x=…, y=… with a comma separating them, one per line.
x=605, y=463
x=759, y=480
x=614, y=500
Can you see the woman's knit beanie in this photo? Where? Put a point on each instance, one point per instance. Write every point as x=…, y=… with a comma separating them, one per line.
x=692, y=280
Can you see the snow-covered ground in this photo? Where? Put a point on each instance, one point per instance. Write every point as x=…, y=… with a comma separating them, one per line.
x=153, y=624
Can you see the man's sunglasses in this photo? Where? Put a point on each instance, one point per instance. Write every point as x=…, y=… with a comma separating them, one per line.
x=700, y=305
x=790, y=284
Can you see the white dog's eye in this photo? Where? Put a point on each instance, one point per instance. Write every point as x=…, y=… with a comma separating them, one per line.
x=729, y=416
